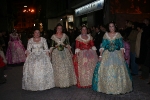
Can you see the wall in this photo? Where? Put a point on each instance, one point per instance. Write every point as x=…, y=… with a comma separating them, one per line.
x=3, y=15
x=91, y=19
x=53, y=22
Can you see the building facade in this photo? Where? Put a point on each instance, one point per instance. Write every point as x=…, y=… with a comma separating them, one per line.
x=88, y=12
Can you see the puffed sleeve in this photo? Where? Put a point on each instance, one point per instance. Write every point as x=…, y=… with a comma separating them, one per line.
x=103, y=44
x=121, y=44
x=29, y=47
x=45, y=45
x=67, y=43
x=92, y=44
x=77, y=47
x=52, y=45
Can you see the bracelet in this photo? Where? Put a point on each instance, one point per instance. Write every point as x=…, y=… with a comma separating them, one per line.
x=100, y=56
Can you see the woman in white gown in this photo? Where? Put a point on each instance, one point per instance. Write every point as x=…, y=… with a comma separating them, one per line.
x=37, y=70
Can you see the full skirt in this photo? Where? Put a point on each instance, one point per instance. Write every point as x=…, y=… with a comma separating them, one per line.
x=64, y=73
x=37, y=73
x=15, y=53
x=112, y=75
x=84, y=67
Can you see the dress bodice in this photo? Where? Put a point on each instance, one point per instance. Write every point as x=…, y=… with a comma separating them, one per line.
x=112, y=44
x=61, y=43
x=84, y=44
x=37, y=47
x=14, y=37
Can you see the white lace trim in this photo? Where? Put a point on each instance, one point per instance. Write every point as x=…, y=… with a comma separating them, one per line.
x=112, y=37
x=85, y=40
x=77, y=50
x=94, y=48
x=68, y=46
x=101, y=49
x=59, y=41
x=123, y=49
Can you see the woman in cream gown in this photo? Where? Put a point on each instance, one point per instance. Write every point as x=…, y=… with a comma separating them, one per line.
x=60, y=51
x=37, y=70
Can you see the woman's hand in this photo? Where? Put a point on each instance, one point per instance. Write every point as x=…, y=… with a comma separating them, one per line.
x=77, y=53
x=47, y=53
x=27, y=54
x=100, y=58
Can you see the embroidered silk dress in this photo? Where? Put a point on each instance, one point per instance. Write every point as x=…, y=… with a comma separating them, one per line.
x=15, y=52
x=64, y=73
x=111, y=75
x=86, y=61
x=37, y=70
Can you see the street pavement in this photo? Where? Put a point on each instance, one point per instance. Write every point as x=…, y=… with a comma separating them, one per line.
x=12, y=90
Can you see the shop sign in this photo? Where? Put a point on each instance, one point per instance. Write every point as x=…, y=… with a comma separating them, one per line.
x=94, y=6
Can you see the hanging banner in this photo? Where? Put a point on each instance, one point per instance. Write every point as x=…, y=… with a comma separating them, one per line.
x=94, y=6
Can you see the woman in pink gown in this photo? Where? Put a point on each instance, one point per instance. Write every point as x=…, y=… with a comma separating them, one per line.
x=127, y=52
x=15, y=52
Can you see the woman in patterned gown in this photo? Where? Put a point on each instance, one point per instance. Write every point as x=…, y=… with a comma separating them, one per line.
x=86, y=59
x=15, y=52
x=37, y=70
x=61, y=56
x=111, y=75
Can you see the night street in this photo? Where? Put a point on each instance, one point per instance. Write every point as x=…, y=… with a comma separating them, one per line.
x=74, y=50
x=12, y=90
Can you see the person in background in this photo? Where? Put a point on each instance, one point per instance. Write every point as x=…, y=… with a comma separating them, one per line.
x=128, y=28
x=132, y=40
x=72, y=40
x=98, y=39
x=2, y=41
x=3, y=63
x=24, y=39
x=102, y=28
x=15, y=52
x=146, y=66
x=138, y=44
x=144, y=39
x=89, y=31
x=6, y=39
x=127, y=50
x=93, y=29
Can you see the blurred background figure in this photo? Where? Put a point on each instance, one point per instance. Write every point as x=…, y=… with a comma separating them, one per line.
x=15, y=52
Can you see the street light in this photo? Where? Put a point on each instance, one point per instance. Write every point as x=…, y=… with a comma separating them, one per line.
x=32, y=10
x=25, y=6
